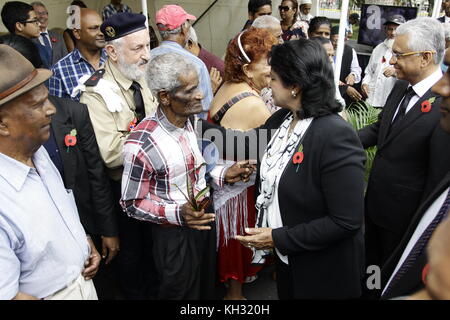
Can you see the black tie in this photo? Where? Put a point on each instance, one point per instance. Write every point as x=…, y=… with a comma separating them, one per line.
x=420, y=245
x=402, y=108
x=138, y=101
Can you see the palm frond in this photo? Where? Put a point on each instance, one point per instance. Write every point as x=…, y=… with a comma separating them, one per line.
x=361, y=114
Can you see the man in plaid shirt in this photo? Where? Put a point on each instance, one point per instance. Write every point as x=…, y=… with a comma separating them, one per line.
x=87, y=57
x=159, y=156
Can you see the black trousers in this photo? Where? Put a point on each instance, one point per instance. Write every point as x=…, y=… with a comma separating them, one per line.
x=134, y=263
x=185, y=260
x=285, y=282
x=380, y=243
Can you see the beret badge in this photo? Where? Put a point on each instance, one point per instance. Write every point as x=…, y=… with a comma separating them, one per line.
x=110, y=31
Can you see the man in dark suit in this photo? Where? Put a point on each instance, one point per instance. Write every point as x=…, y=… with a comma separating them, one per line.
x=73, y=149
x=410, y=160
x=446, y=8
x=50, y=43
x=404, y=272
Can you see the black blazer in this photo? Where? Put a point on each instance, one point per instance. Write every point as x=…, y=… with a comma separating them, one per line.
x=410, y=161
x=411, y=281
x=322, y=209
x=84, y=171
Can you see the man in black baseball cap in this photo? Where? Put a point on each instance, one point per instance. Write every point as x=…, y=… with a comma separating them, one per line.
x=380, y=76
x=118, y=98
x=396, y=19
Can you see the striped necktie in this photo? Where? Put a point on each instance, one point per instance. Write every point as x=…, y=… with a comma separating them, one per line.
x=420, y=244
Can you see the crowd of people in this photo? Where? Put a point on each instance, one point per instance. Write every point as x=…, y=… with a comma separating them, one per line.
x=136, y=172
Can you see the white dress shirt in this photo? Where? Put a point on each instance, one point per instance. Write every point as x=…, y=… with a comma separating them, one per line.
x=355, y=69
x=427, y=218
x=43, y=246
x=380, y=86
x=421, y=88
x=41, y=39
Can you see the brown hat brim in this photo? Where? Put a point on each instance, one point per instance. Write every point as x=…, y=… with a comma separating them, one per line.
x=41, y=76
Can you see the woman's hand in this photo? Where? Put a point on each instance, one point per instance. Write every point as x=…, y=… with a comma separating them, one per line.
x=258, y=238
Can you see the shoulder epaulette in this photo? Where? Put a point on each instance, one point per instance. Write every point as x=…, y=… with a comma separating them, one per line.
x=95, y=78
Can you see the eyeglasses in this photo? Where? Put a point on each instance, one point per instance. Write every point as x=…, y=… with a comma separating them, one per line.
x=284, y=8
x=35, y=21
x=397, y=56
x=43, y=13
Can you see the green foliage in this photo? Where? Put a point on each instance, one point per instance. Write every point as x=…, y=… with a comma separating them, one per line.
x=361, y=114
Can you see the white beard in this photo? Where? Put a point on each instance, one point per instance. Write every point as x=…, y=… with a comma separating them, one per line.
x=130, y=71
x=389, y=43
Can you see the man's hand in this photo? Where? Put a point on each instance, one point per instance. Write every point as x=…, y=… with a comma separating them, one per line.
x=389, y=72
x=350, y=80
x=110, y=248
x=196, y=219
x=216, y=79
x=365, y=90
x=258, y=238
x=239, y=171
x=353, y=93
x=91, y=265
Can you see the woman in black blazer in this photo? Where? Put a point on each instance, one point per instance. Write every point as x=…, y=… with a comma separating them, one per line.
x=311, y=181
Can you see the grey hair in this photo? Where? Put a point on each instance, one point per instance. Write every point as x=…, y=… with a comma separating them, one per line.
x=265, y=22
x=424, y=34
x=192, y=35
x=166, y=33
x=37, y=3
x=164, y=71
x=117, y=43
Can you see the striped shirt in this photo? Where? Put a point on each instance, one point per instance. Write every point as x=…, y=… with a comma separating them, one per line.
x=110, y=10
x=158, y=156
x=67, y=71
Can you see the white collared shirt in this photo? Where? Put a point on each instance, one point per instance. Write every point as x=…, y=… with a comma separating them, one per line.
x=427, y=218
x=421, y=88
x=43, y=245
x=447, y=19
x=41, y=39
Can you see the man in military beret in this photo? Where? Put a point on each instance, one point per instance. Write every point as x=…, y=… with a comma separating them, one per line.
x=118, y=98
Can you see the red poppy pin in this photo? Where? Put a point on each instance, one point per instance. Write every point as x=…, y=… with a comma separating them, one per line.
x=70, y=139
x=426, y=105
x=383, y=60
x=298, y=156
x=53, y=39
x=132, y=125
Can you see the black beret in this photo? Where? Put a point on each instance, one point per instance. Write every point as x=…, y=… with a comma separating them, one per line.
x=122, y=24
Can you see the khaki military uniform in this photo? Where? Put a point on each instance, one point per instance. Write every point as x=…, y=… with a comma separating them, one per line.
x=112, y=126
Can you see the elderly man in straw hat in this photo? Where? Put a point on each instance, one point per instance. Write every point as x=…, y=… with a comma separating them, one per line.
x=44, y=251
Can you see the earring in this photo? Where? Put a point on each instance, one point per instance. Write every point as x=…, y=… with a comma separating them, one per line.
x=294, y=95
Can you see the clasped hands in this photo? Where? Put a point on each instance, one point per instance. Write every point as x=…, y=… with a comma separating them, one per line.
x=199, y=220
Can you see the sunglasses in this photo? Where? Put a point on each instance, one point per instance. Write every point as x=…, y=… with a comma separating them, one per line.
x=284, y=8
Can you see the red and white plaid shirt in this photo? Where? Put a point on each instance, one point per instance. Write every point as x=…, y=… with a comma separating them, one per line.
x=157, y=158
